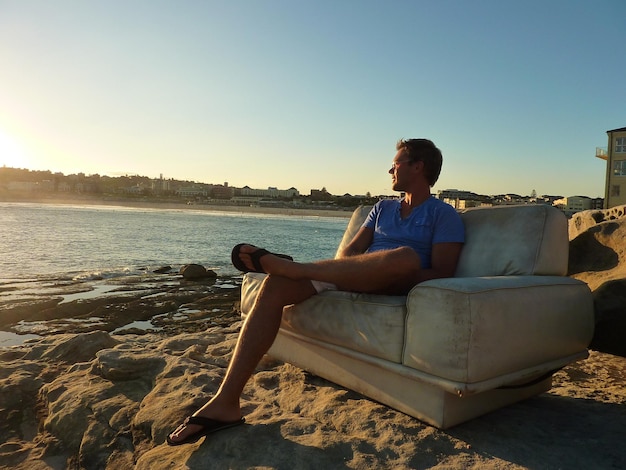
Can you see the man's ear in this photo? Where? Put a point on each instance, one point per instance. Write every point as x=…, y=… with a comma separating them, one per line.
x=419, y=165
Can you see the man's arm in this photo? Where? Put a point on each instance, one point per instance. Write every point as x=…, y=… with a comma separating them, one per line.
x=444, y=259
x=359, y=244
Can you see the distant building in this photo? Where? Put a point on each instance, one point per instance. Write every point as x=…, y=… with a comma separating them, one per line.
x=455, y=194
x=597, y=203
x=191, y=191
x=161, y=185
x=509, y=199
x=224, y=191
x=615, y=156
x=462, y=199
x=270, y=192
x=571, y=205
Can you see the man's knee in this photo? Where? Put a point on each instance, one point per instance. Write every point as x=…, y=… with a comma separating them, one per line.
x=286, y=291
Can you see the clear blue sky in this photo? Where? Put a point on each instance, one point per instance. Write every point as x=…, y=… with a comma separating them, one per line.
x=314, y=94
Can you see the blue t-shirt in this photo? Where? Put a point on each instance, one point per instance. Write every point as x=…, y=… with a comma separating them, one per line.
x=430, y=223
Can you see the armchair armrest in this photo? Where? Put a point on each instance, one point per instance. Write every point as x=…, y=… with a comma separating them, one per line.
x=475, y=329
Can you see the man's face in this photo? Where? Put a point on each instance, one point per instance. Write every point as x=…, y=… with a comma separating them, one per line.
x=400, y=171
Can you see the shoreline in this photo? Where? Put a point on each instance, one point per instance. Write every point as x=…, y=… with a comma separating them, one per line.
x=166, y=303
x=167, y=205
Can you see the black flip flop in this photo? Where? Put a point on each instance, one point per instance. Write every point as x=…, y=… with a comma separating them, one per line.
x=209, y=426
x=255, y=257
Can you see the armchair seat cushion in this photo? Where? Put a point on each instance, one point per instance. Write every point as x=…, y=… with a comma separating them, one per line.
x=369, y=324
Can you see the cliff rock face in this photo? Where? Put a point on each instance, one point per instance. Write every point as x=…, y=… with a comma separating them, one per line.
x=598, y=257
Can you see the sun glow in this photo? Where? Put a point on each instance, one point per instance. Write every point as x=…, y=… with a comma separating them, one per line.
x=12, y=153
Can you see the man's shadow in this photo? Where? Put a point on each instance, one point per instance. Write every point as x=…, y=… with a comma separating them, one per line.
x=265, y=446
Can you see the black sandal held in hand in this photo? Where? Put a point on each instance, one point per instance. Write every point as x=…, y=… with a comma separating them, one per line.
x=254, y=256
x=209, y=426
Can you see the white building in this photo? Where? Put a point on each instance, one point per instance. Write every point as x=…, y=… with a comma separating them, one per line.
x=571, y=205
x=191, y=191
x=270, y=192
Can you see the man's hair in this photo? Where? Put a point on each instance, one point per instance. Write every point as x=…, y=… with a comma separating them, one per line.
x=423, y=150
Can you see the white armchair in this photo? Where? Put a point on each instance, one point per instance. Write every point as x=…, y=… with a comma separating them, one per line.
x=453, y=348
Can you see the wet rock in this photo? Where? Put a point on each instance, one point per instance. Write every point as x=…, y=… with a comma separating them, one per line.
x=163, y=270
x=169, y=303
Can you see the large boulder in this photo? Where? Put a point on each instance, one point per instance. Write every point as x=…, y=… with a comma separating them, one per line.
x=598, y=257
x=582, y=221
x=197, y=271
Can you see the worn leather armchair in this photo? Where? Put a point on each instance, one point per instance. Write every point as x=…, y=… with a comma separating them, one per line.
x=455, y=348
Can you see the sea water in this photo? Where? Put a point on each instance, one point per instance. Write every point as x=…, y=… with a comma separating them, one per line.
x=44, y=248
x=47, y=241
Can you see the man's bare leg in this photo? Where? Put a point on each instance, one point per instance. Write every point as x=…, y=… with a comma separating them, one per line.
x=389, y=271
x=392, y=271
x=256, y=337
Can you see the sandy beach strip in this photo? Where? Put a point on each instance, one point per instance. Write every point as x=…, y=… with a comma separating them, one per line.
x=172, y=205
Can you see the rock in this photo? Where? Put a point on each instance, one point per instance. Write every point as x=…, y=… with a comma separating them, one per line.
x=609, y=302
x=581, y=221
x=167, y=302
x=72, y=348
x=115, y=411
x=598, y=257
x=196, y=271
x=162, y=270
x=117, y=364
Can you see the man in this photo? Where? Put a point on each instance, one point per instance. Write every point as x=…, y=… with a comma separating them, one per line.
x=402, y=243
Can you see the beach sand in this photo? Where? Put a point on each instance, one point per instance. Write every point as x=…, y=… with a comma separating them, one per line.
x=169, y=205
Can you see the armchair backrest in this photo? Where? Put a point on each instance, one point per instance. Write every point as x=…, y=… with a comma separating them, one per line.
x=514, y=241
x=358, y=217
x=503, y=240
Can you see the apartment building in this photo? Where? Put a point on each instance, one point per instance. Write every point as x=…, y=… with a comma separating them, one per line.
x=270, y=192
x=615, y=156
x=572, y=204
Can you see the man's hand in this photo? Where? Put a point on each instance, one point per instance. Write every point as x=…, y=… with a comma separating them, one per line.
x=443, y=261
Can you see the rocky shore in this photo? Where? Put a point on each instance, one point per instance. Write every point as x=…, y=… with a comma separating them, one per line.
x=117, y=365
x=95, y=400
x=166, y=302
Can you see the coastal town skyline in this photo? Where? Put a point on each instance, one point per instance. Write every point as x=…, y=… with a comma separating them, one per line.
x=247, y=92
x=14, y=179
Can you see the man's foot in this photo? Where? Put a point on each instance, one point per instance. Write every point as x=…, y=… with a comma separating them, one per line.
x=198, y=427
x=248, y=259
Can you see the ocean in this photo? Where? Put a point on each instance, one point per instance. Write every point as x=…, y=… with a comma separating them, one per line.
x=74, y=252
x=48, y=241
